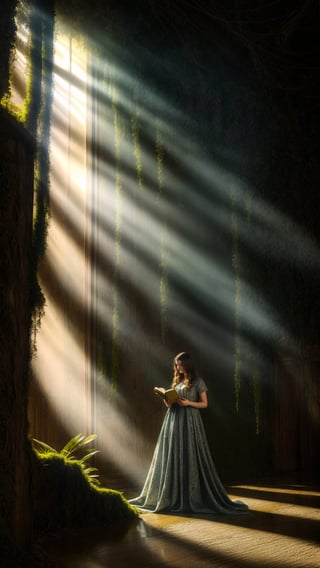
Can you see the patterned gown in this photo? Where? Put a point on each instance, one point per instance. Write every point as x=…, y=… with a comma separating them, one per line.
x=182, y=477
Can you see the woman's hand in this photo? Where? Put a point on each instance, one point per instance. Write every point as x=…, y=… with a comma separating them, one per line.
x=183, y=402
x=167, y=402
x=202, y=403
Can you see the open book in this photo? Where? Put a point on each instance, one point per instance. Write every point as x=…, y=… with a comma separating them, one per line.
x=170, y=394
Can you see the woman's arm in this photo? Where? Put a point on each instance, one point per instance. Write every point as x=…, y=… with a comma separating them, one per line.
x=203, y=403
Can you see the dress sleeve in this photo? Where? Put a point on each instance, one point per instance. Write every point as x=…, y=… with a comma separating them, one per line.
x=201, y=386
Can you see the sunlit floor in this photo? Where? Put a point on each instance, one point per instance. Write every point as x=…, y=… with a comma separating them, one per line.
x=282, y=529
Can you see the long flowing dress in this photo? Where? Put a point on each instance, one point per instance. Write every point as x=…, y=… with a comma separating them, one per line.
x=182, y=477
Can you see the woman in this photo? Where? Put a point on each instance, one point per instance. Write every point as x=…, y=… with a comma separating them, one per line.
x=182, y=477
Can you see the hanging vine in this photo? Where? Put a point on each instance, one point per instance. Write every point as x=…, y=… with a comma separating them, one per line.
x=160, y=157
x=237, y=280
x=256, y=386
x=136, y=145
x=251, y=363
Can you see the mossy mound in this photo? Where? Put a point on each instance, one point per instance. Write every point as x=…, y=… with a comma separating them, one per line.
x=66, y=497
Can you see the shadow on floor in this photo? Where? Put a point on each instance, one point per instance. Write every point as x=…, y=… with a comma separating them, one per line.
x=281, y=530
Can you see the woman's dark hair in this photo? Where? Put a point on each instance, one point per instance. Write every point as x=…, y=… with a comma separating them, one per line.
x=189, y=370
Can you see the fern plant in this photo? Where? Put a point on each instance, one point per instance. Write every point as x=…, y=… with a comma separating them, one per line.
x=70, y=452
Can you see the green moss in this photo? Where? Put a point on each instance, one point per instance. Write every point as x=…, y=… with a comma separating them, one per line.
x=15, y=110
x=67, y=497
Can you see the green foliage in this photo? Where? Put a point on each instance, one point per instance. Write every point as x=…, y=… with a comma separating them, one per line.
x=67, y=497
x=69, y=451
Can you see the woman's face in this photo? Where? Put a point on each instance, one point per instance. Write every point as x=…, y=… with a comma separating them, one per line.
x=180, y=367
